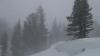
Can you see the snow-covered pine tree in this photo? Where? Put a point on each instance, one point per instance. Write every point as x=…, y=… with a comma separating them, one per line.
x=80, y=21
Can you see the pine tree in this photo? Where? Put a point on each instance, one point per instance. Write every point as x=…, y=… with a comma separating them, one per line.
x=30, y=34
x=35, y=33
x=80, y=21
x=55, y=33
x=17, y=41
x=4, y=44
x=42, y=29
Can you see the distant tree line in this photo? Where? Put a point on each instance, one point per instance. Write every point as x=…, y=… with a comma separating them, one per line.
x=30, y=38
x=33, y=37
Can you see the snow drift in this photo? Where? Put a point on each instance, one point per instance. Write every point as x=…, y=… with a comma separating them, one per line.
x=78, y=47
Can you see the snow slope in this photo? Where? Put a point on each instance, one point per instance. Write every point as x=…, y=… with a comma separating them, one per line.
x=79, y=47
x=51, y=51
x=90, y=52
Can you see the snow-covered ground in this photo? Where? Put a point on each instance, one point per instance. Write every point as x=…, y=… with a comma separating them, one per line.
x=80, y=47
x=90, y=52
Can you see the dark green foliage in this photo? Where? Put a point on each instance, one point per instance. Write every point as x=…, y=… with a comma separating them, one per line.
x=4, y=44
x=80, y=21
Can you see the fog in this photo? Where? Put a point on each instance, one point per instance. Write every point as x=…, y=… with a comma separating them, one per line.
x=34, y=37
x=19, y=9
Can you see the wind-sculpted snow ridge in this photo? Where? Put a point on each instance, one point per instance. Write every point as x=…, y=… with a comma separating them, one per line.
x=73, y=48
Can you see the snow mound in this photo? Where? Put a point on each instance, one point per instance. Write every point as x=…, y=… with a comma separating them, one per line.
x=78, y=47
x=58, y=43
x=50, y=52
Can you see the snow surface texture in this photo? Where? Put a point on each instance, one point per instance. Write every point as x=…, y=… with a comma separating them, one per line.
x=90, y=52
x=80, y=47
x=50, y=52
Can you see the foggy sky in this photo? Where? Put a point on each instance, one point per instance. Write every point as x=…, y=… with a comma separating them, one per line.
x=20, y=9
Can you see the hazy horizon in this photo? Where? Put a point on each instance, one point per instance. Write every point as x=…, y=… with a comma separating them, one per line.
x=20, y=9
